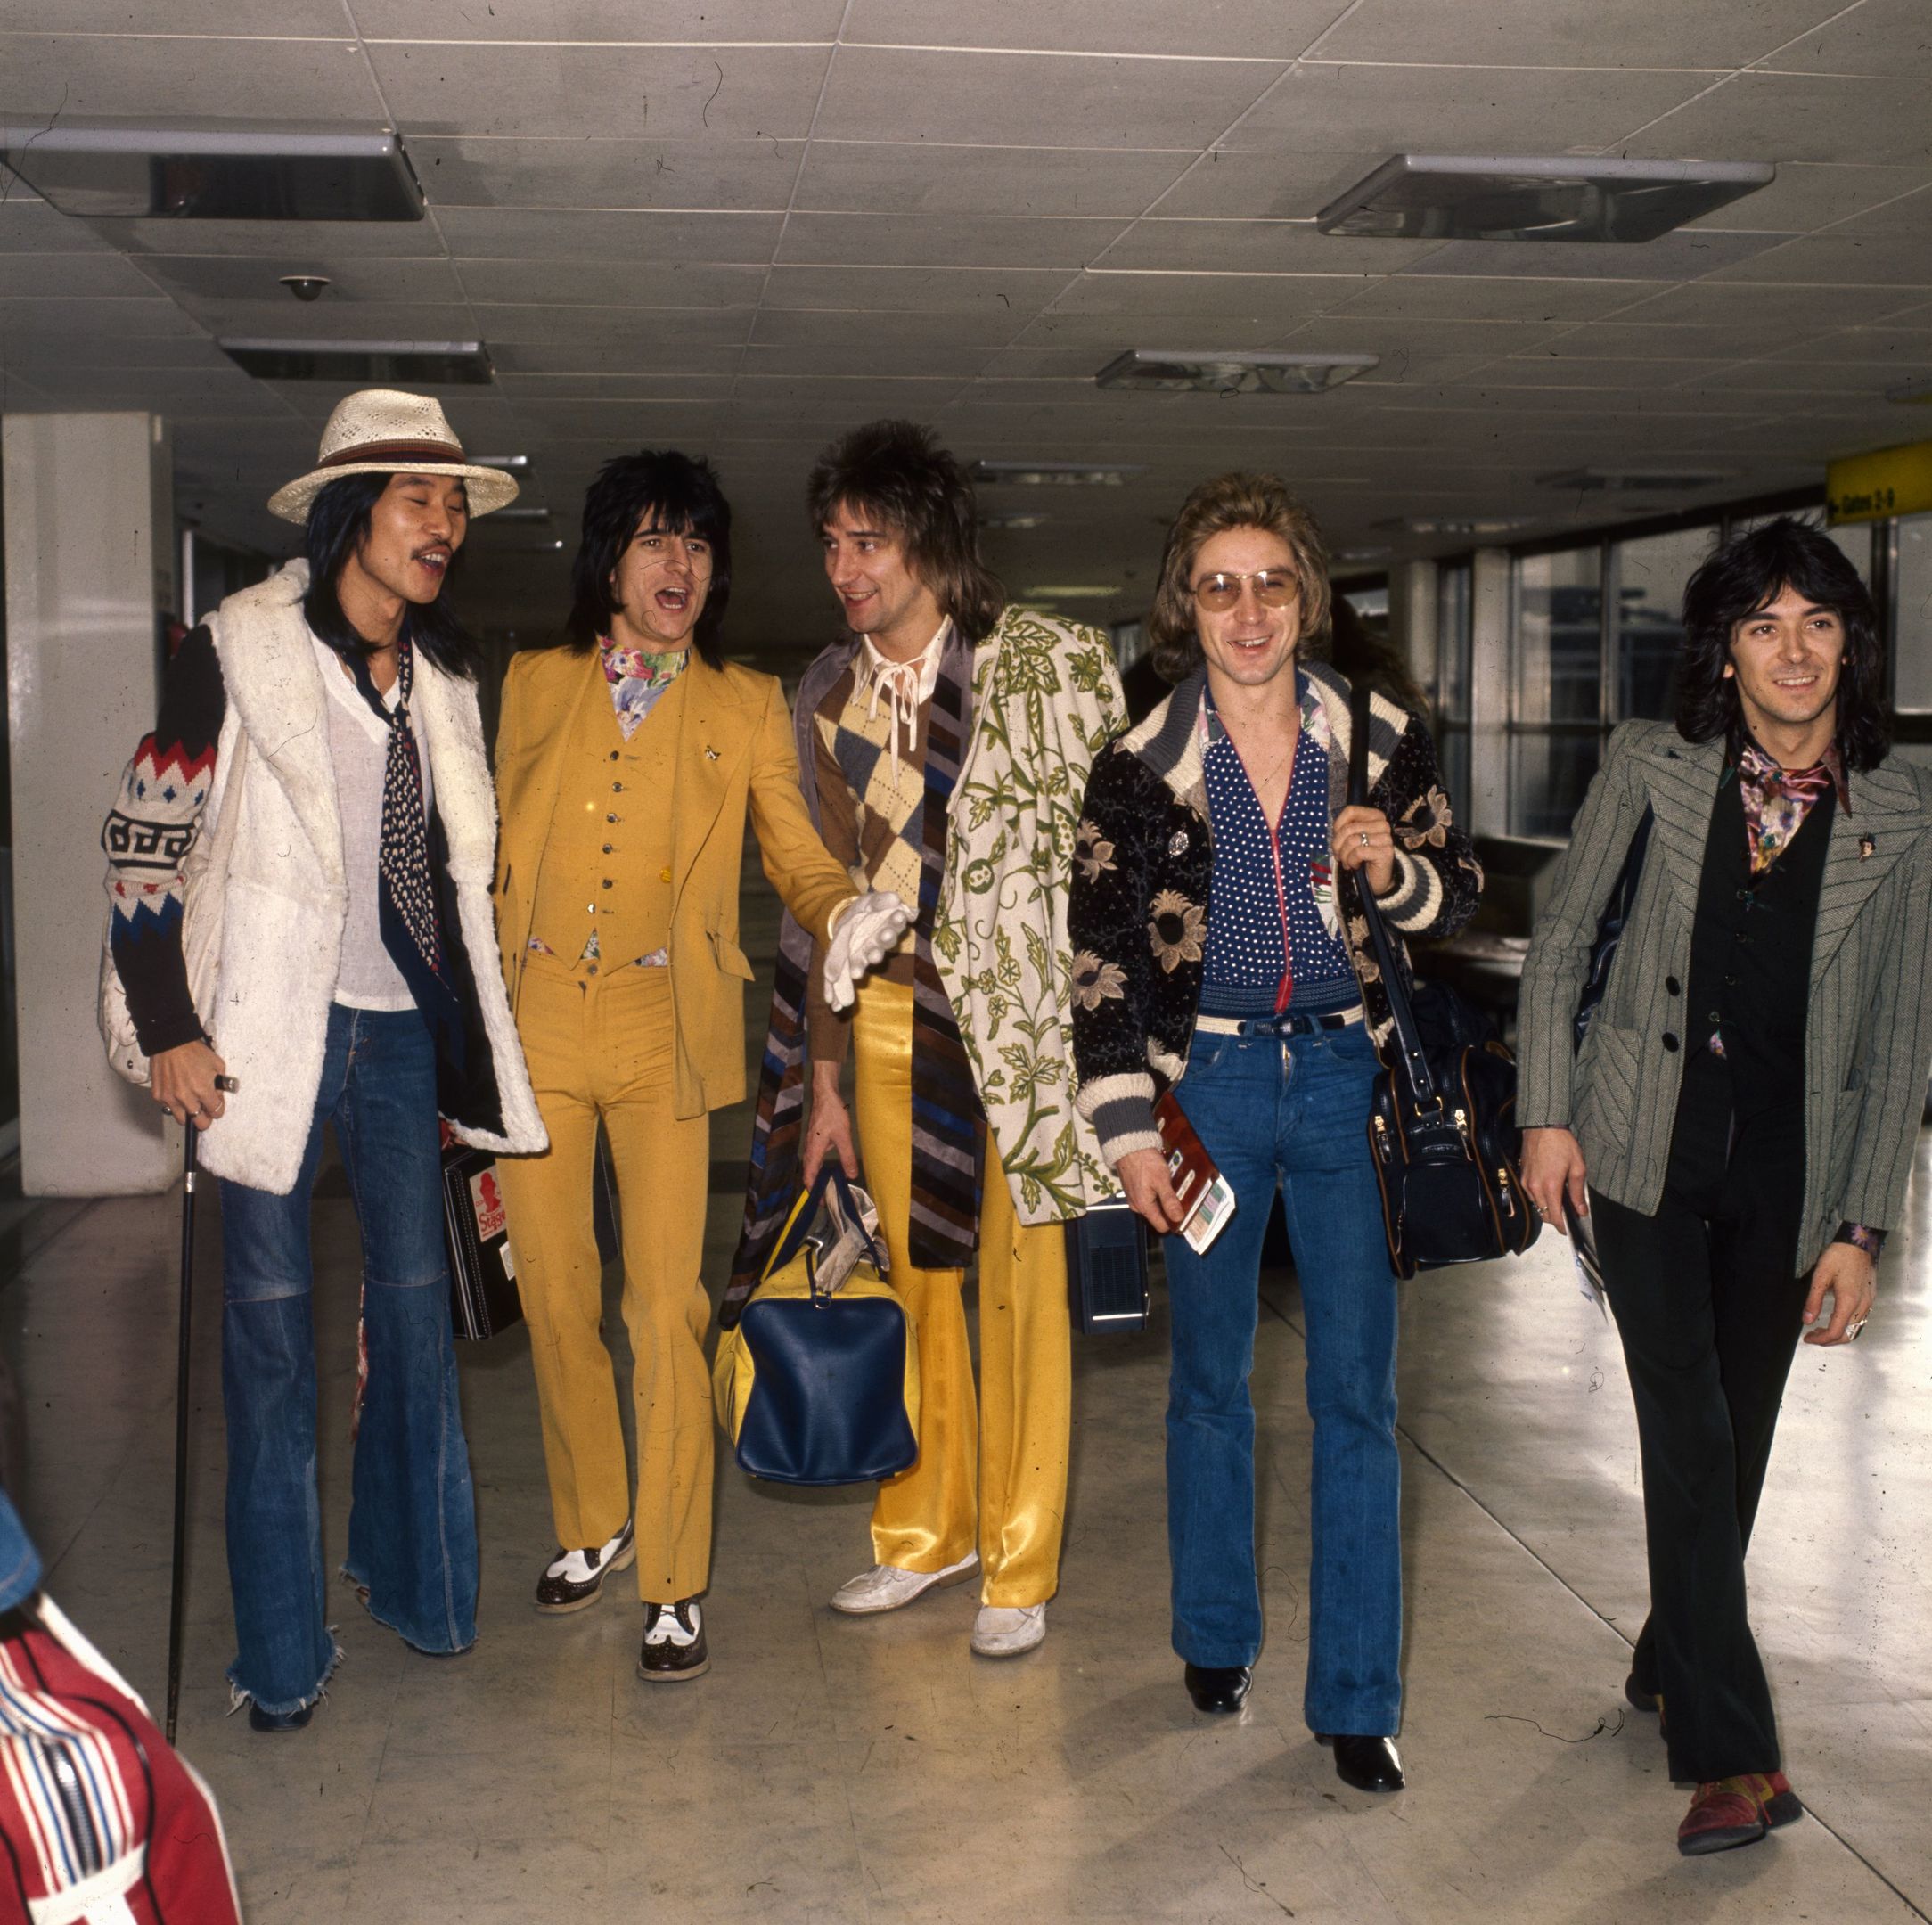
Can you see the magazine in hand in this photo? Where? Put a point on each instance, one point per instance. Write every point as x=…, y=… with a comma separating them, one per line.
x=1206, y=1195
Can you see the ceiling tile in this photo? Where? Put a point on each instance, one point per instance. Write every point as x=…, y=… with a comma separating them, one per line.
x=931, y=361
x=282, y=319
x=579, y=329
x=1909, y=217
x=718, y=367
x=694, y=349
x=91, y=316
x=1472, y=109
x=1870, y=262
x=1567, y=33
x=1253, y=297
x=1797, y=117
x=1245, y=29
x=622, y=92
x=1885, y=38
x=1257, y=247
x=1534, y=370
x=953, y=240
x=1674, y=257
x=1809, y=194
x=515, y=233
x=1875, y=347
x=1620, y=340
x=29, y=226
x=1012, y=292
x=1104, y=335
x=991, y=328
x=1410, y=297
x=57, y=73
x=319, y=240
x=645, y=20
x=901, y=177
x=740, y=175
x=1034, y=100
x=1395, y=340
x=1228, y=183
x=72, y=276
x=178, y=393
x=1800, y=309
x=616, y=281
x=202, y=281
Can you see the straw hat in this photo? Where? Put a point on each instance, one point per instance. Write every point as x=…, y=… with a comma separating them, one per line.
x=381, y=430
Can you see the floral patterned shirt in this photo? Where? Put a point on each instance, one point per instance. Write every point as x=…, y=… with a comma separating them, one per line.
x=1777, y=800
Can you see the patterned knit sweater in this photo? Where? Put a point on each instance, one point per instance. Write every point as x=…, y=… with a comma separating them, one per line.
x=1144, y=870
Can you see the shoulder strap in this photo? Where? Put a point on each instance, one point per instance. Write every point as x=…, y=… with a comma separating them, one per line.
x=1413, y=1063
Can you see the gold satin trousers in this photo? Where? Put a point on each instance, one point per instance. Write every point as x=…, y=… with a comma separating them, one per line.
x=1014, y=1445
x=600, y=1047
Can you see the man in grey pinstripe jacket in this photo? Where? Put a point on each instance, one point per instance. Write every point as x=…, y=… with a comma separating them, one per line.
x=1742, y=1113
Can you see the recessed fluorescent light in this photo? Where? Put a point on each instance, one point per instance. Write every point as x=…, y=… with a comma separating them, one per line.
x=1450, y=525
x=1635, y=480
x=1079, y=592
x=1186, y=372
x=1455, y=197
x=1054, y=474
x=176, y=170
x=1016, y=518
x=510, y=464
x=436, y=363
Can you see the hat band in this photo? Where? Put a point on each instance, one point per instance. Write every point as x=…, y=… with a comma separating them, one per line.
x=401, y=451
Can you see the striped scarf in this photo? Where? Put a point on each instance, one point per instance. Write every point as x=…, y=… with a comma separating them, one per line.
x=947, y=1119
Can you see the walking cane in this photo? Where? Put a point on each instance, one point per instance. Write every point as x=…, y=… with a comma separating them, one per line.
x=175, y=1601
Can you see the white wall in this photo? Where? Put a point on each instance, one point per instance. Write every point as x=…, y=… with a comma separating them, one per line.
x=90, y=552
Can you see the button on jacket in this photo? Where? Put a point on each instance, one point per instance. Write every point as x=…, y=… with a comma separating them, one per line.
x=734, y=755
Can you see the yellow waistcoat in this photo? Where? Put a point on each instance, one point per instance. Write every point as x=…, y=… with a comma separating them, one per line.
x=733, y=756
x=607, y=858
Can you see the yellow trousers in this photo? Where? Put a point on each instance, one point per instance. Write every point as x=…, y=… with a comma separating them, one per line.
x=599, y=1046
x=930, y=1516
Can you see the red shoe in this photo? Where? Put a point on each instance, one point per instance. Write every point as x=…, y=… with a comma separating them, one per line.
x=1725, y=1813
x=1782, y=1804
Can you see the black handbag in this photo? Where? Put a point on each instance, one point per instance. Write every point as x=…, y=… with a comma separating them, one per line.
x=1442, y=1121
x=483, y=1298
x=1611, y=924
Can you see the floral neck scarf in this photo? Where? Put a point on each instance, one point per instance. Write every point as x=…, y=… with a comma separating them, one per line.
x=1777, y=800
x=638, y=677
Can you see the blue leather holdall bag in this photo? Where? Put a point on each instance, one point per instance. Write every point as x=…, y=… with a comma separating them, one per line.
x=819, y=1381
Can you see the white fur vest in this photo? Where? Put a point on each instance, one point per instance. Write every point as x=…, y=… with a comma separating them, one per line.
x=286, y=903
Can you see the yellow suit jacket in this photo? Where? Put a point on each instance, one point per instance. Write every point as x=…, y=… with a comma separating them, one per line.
x=734, y=756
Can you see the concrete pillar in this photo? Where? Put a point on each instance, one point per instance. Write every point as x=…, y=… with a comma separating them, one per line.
x=1412, y=620
x=90, y=558
x=1489, y=692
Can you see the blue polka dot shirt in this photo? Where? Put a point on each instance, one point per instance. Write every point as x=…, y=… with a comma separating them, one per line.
x=1273, y=939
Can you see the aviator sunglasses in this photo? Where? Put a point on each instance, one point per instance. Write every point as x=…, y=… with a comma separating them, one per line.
x=1273, y=588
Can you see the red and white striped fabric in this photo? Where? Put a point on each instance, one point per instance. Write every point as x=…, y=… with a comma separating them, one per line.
x=100, y=1822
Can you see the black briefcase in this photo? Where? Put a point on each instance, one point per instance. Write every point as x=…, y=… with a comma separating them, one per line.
x=1107, y=1283
x=483, y=1297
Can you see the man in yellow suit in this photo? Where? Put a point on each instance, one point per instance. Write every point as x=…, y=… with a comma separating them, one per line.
x=627, y=759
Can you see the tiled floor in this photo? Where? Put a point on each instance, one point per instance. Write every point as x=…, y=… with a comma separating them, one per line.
x=833, y=1769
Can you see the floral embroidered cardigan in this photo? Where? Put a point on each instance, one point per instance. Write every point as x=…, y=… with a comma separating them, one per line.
x=1142, y=865
x=1046, y=700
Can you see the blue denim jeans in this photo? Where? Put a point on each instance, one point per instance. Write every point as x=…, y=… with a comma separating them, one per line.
x=412, y=1529
x=1291, y=1113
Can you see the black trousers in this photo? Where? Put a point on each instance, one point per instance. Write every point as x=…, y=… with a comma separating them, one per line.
x=1707, y=1303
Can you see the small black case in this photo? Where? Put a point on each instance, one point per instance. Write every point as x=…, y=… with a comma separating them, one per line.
x=483, y=1297
x=1107, y=1270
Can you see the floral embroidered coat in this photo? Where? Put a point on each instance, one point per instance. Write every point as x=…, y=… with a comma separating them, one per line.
x=1143, y=865
x=1046, y=700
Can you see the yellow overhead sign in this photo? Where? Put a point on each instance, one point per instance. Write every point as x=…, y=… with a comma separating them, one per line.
x=1891, y=482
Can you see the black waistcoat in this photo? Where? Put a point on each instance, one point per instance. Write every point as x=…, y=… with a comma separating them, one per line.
x=1750, y=956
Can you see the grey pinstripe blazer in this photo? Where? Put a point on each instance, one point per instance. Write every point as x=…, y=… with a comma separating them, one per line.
x=1868, y=1038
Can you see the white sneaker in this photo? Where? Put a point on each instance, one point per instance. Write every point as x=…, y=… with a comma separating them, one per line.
x=886, y=1587
x=1002, y=1631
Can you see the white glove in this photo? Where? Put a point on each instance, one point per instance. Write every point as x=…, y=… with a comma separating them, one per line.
x=867, y=931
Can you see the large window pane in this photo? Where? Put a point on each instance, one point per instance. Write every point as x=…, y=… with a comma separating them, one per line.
x=1452, y=754
x=1650, y=576
x=1559, y=637
x=1911, y=617
x=1549, y=771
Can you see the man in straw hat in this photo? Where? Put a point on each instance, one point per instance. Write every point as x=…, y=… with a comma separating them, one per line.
x=300, y=933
